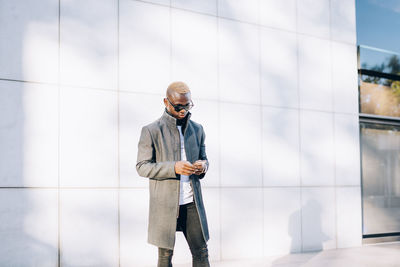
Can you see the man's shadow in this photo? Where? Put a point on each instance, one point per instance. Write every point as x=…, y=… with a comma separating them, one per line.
x=311, y=239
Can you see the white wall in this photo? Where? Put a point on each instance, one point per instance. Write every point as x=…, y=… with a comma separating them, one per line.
x=274, y=84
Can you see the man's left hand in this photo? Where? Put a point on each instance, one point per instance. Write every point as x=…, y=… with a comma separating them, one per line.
x=200, y=167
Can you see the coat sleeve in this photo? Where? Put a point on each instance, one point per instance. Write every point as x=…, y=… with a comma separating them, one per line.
x=203, y=155
x=146, y=164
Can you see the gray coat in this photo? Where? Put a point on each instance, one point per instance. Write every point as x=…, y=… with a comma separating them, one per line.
x=158, y=150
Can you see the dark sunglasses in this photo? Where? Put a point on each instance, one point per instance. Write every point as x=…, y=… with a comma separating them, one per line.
x=180, y=107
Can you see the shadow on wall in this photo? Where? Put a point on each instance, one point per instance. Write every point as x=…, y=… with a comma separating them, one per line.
x=316, y=236
x=28, y=225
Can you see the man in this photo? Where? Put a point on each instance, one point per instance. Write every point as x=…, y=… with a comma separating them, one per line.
x=171, y=152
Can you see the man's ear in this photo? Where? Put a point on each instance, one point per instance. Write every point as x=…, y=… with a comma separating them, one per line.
x=165, y=102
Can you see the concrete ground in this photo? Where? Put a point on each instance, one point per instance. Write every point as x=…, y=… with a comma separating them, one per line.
x=374, y=255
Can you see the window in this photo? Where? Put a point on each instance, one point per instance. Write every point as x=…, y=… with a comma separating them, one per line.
x=379, y=82
x=380, y=145
x=378, y=24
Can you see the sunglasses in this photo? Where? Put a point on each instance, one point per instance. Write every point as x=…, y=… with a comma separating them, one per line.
x=180, y=107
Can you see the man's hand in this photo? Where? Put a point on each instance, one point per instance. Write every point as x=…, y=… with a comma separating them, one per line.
x=200, y=167
x=184, y=168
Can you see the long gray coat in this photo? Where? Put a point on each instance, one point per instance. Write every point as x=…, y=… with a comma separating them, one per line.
x=159, y=149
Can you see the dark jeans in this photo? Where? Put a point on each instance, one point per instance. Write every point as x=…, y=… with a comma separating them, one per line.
x=188, y=222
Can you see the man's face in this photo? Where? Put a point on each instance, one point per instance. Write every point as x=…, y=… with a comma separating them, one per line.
x=177, y=99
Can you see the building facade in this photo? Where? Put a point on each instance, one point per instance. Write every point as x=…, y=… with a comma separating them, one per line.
x=274, y=83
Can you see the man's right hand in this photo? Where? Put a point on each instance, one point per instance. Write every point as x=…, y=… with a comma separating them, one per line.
x=184, y=168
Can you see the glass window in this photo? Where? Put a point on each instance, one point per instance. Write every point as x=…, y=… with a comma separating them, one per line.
x=381, y=178
x=378, y=39
x=379, y=60
x=379, y=82
x=379, y=96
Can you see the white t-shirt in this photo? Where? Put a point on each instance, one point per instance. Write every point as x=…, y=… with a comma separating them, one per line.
x=186, y=192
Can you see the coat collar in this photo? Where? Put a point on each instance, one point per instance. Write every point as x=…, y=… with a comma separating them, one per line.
x=171, y=121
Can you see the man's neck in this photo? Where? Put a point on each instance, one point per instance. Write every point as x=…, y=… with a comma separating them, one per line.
x=180, y=122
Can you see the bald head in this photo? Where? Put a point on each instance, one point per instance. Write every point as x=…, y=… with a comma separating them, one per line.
x=177, y=88
x=178, y=94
